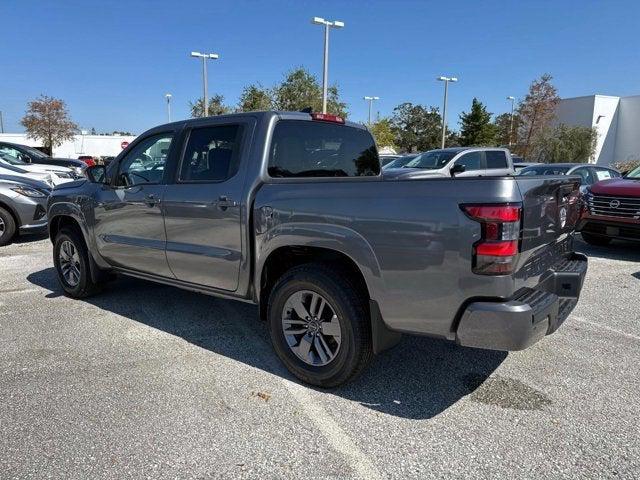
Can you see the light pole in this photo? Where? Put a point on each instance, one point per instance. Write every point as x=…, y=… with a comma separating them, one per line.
x=370, y=100
x=168, y=97
x=446, y=81
x=1, y=123
x=325, y=64
x=205, y=57
x=513, y=99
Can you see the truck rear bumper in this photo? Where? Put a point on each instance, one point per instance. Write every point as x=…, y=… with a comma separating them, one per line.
x=527, y=317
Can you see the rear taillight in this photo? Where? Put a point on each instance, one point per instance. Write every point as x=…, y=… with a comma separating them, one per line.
x=325, y=117
x=497, y=250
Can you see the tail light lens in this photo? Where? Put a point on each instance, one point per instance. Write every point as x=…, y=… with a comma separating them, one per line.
x=326, y=117
x=497, y=250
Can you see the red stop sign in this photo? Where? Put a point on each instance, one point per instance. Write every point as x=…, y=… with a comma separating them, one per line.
x=124, y=144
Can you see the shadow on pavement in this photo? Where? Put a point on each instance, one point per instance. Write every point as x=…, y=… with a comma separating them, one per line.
x=418, y=379
x=616, y=250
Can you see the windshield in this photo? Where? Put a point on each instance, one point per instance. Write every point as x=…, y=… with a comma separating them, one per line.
x=431, y=160
x=11, y=159
x=34, y=152
x=399, y=162
x=544, y=170
x=635, y=173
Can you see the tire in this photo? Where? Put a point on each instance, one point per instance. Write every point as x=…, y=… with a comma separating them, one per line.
x=80, y=285
x=596, y=239
x=347, y=305
x=7, y=227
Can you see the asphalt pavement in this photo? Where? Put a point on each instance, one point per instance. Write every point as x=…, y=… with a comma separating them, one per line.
x=149, y=381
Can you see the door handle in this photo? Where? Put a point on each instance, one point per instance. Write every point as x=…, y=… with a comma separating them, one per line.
x=151, y=200
x=223, y=203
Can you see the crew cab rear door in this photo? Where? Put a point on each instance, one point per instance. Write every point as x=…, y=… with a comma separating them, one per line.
x=202, y=205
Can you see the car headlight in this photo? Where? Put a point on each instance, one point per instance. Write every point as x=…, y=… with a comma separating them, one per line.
x=62, y=174
x=29, y=192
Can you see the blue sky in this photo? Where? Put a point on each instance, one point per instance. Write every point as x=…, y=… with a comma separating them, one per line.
x=112, y=62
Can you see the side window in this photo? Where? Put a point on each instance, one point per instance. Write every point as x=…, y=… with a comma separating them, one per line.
x=145, y=163
x=212, y=154
x=496, y=159
x=301, y=148
x=585, y=175
x=471, y=161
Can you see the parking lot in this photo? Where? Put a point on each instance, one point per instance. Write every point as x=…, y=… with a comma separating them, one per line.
x=149, y=381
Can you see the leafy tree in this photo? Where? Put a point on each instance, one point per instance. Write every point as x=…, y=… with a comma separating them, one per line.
x=416, y=128
x=505, y=134
x=47, y=119
x=536, y=112
x=300, y=90
x=383, y=133
x=254, y=98
x=216, y=106
x=477, y=129
x=564, y=143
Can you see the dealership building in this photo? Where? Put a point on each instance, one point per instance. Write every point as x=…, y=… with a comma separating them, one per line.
x=616, y=119
x=96, y=145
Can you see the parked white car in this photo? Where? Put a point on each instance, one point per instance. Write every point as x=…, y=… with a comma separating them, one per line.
x=17, y=172
x=456, y=162
x=56, y=173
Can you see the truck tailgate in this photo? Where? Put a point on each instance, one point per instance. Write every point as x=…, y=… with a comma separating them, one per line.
x=551, y=209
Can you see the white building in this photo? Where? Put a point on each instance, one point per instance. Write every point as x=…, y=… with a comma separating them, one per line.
x=617, y=120
x=96, y=145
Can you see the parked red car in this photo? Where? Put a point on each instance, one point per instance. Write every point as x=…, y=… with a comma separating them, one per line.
x=88, y=159
x=612, y=210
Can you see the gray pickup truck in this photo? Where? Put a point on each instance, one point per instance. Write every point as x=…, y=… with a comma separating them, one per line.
x=290, y=211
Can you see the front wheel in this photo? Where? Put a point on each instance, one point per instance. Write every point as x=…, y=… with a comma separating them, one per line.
x=595, y=239
x=320, y=325
x=7, y=227
x=71, y=259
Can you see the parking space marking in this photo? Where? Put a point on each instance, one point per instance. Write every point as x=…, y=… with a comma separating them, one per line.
x=605, y=327
x=338, y=439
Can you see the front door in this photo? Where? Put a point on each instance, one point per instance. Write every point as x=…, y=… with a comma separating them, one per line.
x=202, y=207
x=129, y=226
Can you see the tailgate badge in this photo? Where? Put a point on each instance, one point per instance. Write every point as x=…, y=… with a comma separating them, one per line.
x=563, y=217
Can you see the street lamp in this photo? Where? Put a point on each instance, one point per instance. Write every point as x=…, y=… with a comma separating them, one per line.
x=446, y=81
x=205, y=57
x=513, y=99
x=370, y=100
x=325, y=65
x=168, y=97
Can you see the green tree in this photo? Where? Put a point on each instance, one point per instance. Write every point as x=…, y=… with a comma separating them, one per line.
x=300, y=90
x=255, y=98
x=47, y=120
x=476, y=127
x=416, y=128
x=383, y=132
x=564, y=143
x=216, y=107
x=536, y=112
x=506, y=135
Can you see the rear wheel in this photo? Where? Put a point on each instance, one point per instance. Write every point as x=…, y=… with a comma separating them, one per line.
x=71, y=259
x=320, y=326
x=595, y=239
x=7, y=227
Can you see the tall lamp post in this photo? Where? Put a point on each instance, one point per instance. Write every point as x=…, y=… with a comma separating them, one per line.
x=325, y=64
x=446, y=81
x=168, y=97
x=205, y=57
x=370, y=100
x=512, y=99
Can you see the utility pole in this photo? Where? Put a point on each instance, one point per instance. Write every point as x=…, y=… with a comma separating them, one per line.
x=513, y=99
x=370, y=100
x=446, y=81
x=325, y=64
x=205, y=98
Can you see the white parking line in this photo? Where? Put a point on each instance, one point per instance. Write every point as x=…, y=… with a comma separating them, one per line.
x=338, y=439
x=605, y=327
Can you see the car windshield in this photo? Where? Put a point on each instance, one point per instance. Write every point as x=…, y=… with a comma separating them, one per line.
x=635, y=173
x=431, y=160
x=34, y=152
x=399, y=162
x=544, y=170
x=11, y=159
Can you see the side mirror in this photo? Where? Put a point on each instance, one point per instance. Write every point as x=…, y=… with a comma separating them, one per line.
x=457, y=168
x=25, y=158
x=97, y=174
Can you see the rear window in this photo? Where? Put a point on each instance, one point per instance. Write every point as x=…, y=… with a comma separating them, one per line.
x=496, y=159
x=544, y=170
x=317, y=149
